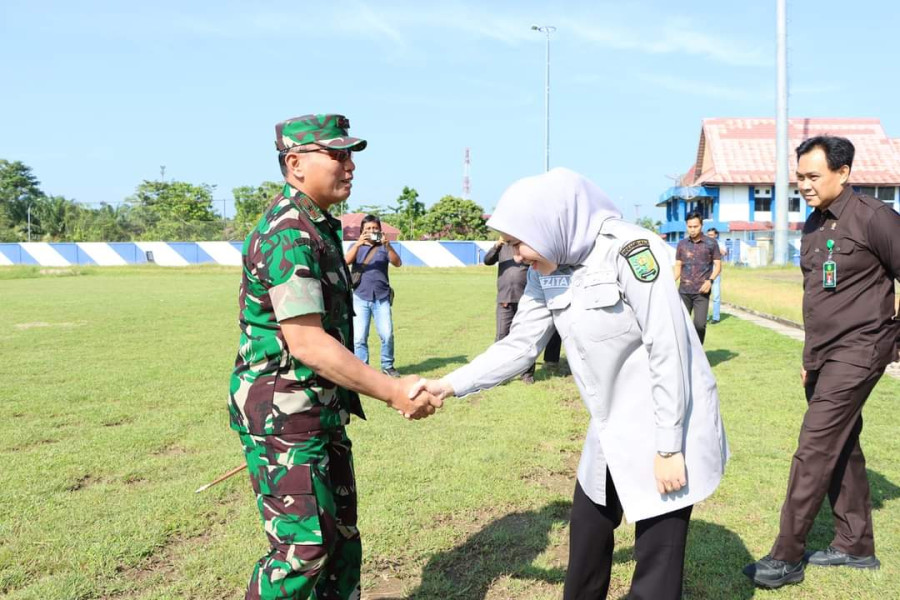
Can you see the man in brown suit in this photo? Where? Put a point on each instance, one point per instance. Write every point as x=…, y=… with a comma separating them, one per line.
x=850, y=257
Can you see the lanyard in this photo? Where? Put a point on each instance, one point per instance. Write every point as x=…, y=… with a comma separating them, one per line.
x=829, y=269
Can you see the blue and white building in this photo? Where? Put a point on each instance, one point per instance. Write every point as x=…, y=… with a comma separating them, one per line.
x=732, y=180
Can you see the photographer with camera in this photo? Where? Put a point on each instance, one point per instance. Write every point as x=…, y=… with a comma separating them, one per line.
x=372, y=295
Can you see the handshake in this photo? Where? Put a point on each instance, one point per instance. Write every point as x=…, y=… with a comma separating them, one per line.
x=418, y=398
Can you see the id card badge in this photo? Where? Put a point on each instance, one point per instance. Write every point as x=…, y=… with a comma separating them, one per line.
x=829, y=275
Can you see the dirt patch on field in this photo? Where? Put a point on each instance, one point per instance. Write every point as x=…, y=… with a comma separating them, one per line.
x=42, y=324
x=60, y=272
x=81, y=483
x=170, y=450
x=162, y=565
x=25, y=446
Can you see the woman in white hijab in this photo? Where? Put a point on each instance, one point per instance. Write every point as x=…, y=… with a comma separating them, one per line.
x=655, y=444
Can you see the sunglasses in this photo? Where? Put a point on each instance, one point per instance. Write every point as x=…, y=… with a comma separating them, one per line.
x=335, y=153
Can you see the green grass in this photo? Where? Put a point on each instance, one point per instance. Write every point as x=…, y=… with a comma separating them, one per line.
x=114, y=387
x=776, y=291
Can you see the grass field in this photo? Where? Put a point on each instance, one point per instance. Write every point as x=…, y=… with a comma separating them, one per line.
x=776, y=291
x=113, y=394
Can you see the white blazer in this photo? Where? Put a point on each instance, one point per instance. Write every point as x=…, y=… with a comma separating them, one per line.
x=637, y=361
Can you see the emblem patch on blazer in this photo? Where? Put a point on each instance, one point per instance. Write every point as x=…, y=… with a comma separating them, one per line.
x=641, y=260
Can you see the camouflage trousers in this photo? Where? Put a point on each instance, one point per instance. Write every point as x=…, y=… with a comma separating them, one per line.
x=306, y=495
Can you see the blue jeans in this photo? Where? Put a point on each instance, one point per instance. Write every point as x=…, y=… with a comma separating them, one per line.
x=365, y=310
x=717, y=297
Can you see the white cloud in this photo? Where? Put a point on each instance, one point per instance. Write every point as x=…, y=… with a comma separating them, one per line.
x=615, y=26
x=697, y=87
x=676, y=36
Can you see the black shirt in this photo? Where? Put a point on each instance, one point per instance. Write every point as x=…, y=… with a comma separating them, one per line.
x=853, y=322
x=511, y=276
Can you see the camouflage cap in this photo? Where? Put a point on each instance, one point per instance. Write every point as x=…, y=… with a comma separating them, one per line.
x=329, y=131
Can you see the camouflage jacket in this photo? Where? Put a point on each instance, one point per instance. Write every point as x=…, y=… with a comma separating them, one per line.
x=293, y=265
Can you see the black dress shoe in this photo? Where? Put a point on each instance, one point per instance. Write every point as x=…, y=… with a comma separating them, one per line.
x=772, y=573
x=832, y=557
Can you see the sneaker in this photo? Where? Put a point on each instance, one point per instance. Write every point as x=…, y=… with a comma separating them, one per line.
x=391, y=371
x=772, y=573
x=527, y=378
x=832, y=557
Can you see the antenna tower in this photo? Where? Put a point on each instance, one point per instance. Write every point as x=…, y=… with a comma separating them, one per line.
x=466, y=188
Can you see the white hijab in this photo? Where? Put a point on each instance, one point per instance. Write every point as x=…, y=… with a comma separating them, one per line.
x=558, y=214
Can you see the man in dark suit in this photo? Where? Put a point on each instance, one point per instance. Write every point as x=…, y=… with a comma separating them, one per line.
x=850, y=257
x=511, y=278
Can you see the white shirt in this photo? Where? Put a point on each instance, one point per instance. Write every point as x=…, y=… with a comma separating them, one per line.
x=637, y=361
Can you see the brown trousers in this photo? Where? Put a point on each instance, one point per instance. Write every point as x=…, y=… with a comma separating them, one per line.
x=829, y=460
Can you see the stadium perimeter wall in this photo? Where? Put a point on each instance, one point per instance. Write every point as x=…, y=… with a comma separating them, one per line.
x=183, y=254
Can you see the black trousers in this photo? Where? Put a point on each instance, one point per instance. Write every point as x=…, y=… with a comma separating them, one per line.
x=829, y=460
x=554, y=346
x=505, y=316
x=698, y=306
x=658, y=550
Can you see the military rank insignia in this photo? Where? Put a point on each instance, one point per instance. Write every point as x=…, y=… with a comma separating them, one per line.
x=641, y=260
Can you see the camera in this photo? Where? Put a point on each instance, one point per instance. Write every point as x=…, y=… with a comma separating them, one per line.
x=376, y=237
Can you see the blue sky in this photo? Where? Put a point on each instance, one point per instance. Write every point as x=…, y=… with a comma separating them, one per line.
x=97, y=95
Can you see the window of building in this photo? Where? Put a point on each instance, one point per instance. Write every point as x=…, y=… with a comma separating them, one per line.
x=885, y=194
x=794, y=205
x=762, y=204
x=762, y=199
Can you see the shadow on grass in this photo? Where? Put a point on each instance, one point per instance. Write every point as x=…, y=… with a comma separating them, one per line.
x=431, y=364
x=822, y=532
x=719, y=356
x=714, y=558
x=505, y=547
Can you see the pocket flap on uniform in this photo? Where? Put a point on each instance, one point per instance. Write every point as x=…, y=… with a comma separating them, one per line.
x=601, y=295
x=844, y=245
x=599, y=277
x=557, y=299
x=282, y=480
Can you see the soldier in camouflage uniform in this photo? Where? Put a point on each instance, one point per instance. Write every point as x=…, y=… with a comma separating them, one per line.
x=296, y=379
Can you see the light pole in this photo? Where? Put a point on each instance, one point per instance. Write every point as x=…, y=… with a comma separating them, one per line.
x=782, y=192
x=547, y=30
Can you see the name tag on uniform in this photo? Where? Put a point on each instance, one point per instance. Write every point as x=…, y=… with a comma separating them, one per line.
x=556, y=290
x=829, y=274
x=555, y=282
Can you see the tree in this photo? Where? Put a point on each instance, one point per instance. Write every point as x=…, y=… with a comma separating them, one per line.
x=176, y=200
x=374, y=209
x=104, y=224
x=453, y=218
x=648, y=223
x=407, y=213
x=174, y=210
x=54, y=214
x=250, y=203
x=19, y=189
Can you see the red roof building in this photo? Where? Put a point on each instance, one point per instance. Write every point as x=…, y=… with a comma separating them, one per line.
x=351, y=224
x=732, y=179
